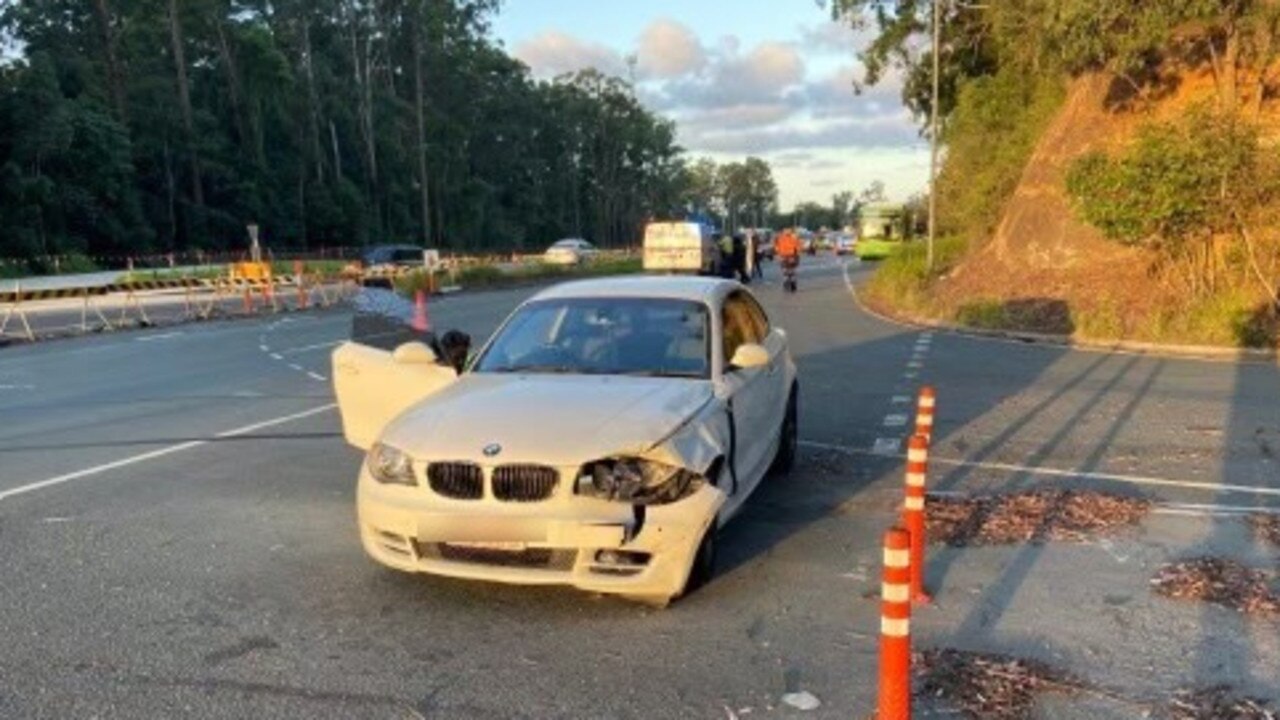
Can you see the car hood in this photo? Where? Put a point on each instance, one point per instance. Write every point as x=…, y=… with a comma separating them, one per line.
x=548, y=419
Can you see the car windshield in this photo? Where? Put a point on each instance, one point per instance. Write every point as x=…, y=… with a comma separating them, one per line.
x=603, y=336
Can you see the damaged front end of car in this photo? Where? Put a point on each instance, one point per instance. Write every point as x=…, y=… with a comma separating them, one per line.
x=631, y=523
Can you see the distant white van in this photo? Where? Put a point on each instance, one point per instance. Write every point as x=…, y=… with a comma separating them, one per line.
x=679, y=247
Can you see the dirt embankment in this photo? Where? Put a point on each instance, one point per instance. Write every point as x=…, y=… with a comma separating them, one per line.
x=1048, y=269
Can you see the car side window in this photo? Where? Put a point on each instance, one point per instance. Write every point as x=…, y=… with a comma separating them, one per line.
x=758, y=317
x=738, y=325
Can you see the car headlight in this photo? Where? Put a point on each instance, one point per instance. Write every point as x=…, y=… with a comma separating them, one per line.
x=390, y=466
x=636, y=481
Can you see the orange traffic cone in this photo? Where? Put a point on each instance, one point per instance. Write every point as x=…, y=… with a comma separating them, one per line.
x=421, y=322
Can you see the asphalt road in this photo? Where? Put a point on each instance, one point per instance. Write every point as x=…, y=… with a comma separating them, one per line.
x=177, y=523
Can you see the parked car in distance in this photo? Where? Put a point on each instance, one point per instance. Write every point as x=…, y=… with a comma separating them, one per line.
x=392, y=256
x=844, y=244
x=570, y=251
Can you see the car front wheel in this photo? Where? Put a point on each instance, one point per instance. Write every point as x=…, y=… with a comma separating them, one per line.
x=704, y=560
x=788, y=438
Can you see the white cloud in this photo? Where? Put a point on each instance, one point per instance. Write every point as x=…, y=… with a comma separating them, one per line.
x=791, y=100
x=668, y=49
x=851, y=133
x=553, y=53
x=746, y=115
x=835, y=37
x=839, y=95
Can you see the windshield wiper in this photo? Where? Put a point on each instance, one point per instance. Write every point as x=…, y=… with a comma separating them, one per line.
x=658, y=373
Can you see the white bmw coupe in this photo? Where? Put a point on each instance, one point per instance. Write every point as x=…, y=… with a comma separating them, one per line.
x=600, y=439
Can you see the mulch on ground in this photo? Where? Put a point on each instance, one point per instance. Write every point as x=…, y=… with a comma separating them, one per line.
x=1218, y=581
x=989, y=686
x=1218, y=703
x=1033, y=516
x=1266, y=526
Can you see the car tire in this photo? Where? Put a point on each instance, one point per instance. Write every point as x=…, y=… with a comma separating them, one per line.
x=788, y=435
x=704, y=560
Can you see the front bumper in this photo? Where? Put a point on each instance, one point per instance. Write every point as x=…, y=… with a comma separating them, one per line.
x=551, y=543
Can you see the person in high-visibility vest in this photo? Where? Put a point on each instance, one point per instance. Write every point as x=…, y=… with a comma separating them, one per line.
x=788, y=250
x=725, y=243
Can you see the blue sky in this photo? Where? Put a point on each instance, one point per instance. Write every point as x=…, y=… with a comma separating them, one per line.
x=771, y=78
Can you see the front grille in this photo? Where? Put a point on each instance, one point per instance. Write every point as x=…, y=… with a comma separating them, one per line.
x=524, y=483
x=539, y=558
x=460, y=481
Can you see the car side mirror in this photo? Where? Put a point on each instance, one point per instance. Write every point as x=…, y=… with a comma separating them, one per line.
x=750, y=355
x=415, y=353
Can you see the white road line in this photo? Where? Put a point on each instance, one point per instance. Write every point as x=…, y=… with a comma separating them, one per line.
x=915, y=364
x=309, y=348
x=296, y=367
x=276, y=356
x=161, y=336
x=17, y=387
x=1212, y=509
x=161, y=452
x=264, y=348
x=911, y=375
x=895, y=420
x=885, y=446
x=901, y=399
x=317, y=376
x=1058, y=472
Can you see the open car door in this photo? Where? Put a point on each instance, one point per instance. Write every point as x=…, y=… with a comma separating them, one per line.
x=374, y=386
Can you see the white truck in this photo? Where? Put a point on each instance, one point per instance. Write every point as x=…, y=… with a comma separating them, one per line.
x=684, y=247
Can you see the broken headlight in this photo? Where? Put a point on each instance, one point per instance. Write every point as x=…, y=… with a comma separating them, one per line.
x=390, y=466
x=636, y=481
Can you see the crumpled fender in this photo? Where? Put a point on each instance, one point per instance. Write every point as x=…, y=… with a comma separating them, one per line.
x=697, y=442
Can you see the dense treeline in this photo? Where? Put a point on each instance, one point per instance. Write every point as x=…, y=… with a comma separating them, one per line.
x=129, y=126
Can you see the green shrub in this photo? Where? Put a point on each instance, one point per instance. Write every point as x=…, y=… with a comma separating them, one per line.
x=1178, y=181
x=990, y=136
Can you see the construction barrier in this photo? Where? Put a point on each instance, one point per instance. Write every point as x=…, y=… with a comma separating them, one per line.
x=895, y=628
x=200, y=299
x=913, y=509
x=924, y=412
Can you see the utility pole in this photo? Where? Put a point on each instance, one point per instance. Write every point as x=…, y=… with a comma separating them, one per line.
x=933, y=134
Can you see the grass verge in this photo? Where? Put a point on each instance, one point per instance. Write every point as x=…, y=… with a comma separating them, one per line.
x=878, y=249
x=903, y=280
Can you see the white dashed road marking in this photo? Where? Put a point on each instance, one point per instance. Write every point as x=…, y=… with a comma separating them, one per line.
x=162, y=336
x=309, y=348
x=895, y=420
x=162, y=452
x=901, y=399
x=317, y=376
x=884, y=446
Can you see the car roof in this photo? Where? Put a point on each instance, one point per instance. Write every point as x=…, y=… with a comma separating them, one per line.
x=672, y=287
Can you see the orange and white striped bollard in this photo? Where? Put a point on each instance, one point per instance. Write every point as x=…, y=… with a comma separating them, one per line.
x=924, y=412
x=913, y=512
x=894, y=701
x=421, y=322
